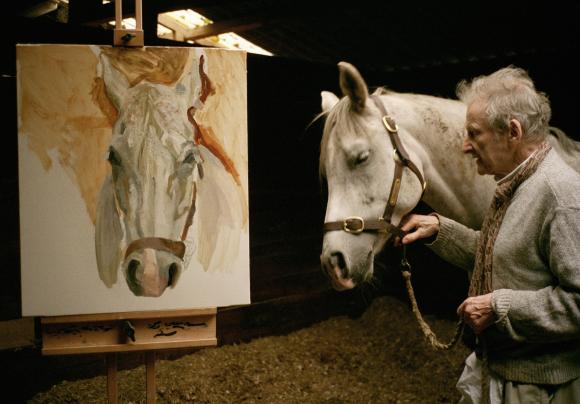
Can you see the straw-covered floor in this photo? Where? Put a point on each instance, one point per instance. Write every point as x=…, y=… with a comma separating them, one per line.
x=380, y=357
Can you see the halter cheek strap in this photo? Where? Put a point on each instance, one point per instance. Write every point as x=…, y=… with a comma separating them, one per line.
x=356, y=224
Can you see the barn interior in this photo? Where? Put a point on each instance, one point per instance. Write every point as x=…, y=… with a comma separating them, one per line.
x=420, y=47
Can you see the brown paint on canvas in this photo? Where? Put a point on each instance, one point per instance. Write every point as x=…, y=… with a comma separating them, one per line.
x=205, y=135
x=217, y=128
x=99, y=95
x=56, y=114
x=63, y=106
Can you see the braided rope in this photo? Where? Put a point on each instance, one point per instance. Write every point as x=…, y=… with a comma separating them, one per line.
x=425, y=328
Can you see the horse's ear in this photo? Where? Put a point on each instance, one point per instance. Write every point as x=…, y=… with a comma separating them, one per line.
x=353, y=85
x=116, y=83
x=329, y=100
x=108, y=235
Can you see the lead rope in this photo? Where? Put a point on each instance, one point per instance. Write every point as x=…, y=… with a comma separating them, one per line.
x=425, y=328
x=485, y=376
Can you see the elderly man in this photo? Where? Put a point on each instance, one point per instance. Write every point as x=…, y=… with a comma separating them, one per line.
x=524, y=264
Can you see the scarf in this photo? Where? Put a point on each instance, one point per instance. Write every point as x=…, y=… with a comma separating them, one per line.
x=482, y=274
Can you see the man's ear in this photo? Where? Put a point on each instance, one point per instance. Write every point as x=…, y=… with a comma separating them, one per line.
x=516, y=131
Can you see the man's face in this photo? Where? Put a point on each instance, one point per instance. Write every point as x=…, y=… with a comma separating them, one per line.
x=490, y=149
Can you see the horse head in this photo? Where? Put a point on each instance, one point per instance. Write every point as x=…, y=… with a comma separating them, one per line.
x=359, y=160
x=147, y=203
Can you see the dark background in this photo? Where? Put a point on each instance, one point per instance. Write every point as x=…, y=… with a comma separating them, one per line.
x=414, y=47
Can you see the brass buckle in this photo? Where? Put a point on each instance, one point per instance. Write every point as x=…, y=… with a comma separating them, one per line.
x=349, y=220
x=390, y=124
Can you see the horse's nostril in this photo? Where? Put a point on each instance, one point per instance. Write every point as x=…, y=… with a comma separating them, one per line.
x=132, y=270
x=172, y=273
x=337, y=260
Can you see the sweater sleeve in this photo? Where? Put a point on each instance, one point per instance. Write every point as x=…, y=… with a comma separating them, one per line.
x=551, y=313
x=455, y=243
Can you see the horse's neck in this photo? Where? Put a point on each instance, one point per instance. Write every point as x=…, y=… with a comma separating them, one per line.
x=433, y=132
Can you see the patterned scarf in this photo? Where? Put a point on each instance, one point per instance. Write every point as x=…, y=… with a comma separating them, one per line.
x=482, y=273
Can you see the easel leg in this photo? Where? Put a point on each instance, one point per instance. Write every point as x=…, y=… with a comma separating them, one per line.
x=112, y=378
x=150, y=372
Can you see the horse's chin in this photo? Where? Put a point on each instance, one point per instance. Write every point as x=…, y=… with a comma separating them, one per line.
x=338, y=282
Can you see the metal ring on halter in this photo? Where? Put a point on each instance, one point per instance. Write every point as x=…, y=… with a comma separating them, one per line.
x=350, y=219
x=396, y=155
x=390, y=124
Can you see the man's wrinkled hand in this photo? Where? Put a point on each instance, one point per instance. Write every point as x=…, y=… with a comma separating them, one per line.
x=477, y=312
x=418, y=227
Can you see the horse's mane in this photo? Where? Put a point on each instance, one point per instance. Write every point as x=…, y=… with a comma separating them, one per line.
x=566, y=142
x=568, y=149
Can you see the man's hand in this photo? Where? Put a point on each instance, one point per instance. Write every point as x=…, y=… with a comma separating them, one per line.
x=424, y=226
x=477, y=312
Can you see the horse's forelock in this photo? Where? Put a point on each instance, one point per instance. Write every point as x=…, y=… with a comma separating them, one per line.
x=338, y=119
x=155, y=65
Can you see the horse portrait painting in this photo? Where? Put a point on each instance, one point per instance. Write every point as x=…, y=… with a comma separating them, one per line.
x=381, y=154
x=147, y=150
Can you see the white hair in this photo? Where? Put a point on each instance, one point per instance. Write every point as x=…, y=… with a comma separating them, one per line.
x=509, y=93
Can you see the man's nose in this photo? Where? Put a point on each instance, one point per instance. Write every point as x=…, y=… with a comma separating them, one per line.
x=467, y=146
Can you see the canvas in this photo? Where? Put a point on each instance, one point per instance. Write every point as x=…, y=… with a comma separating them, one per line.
x=133, y=178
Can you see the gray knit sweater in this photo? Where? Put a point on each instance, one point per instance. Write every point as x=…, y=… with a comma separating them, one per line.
x=536, y=277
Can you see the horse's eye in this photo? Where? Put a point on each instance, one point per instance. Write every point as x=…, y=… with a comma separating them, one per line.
x=114, y=158
x=189, y=158
x=192, y=157
x=362, y=157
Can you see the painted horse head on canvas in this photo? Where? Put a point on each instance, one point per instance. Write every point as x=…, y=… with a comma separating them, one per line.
x=160, y=164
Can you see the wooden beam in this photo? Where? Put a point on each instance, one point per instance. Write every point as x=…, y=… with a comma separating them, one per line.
x=106, y=12
x=38, y=8
x=238, y=25
x=171, y=23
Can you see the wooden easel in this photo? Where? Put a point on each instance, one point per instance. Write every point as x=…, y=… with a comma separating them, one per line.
x=112, y=333
x=128, y=37
x=126, y=332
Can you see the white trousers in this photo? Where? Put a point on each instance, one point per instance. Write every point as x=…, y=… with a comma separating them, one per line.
x=469, y=384
x=503, y=391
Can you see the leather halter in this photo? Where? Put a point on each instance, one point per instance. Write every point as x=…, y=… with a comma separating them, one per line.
x=356, y=224
x=176, y=247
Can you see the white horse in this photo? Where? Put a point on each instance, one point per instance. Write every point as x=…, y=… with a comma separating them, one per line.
x=359, y=162
x=161, y=178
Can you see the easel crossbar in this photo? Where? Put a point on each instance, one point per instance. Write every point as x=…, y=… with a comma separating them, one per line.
x=128, y=332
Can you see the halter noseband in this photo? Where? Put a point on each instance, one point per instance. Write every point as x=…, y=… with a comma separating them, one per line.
x=356, y=224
